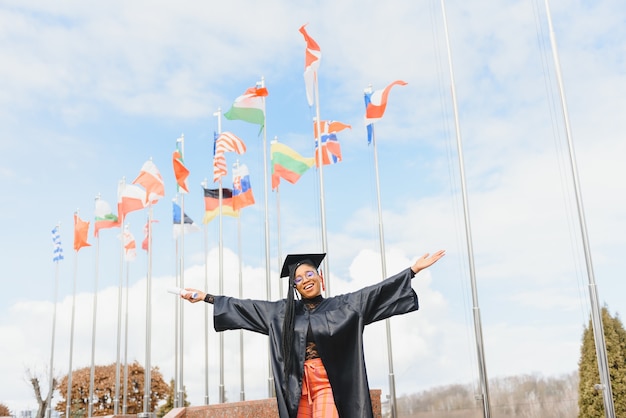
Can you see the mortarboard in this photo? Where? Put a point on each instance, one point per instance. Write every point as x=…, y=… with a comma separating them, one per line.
x=293, y=261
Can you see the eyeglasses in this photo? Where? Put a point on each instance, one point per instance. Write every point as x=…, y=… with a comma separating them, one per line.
x=308, y=274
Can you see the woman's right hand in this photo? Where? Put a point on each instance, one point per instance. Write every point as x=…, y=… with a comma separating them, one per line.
x=189, y=295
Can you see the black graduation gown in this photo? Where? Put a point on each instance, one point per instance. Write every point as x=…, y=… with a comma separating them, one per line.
x=337, y=324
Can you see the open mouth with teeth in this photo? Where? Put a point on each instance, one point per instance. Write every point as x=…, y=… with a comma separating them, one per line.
x=308, y=286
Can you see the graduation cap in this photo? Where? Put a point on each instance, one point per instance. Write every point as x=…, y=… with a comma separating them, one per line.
x=293, y=261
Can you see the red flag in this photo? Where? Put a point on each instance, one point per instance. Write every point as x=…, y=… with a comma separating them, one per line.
x=146, y=231
x=81, y=230
x=150, y=179
x=312, y=57
x=180, y=171
x=129, y=198
x=378, y=102
x=130, y=246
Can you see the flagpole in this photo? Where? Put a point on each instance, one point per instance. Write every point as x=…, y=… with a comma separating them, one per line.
x=116, y=399
x=321, y=175
x=383, y=262
x=482, y=367
x=596, y=313
x=176, y=329
x=68, y=399
x=179, y=303
x=271, y=389
x=278, y=244
x=125, y=385
x=58, y=258
x=92, y=371
x=242, y=392
x=205, y=185
x=148, y=366
x=222, y=397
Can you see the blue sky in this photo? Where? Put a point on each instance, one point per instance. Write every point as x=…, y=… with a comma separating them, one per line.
x=89, y=92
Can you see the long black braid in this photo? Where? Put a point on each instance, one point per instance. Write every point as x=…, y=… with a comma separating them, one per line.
x=288, y=322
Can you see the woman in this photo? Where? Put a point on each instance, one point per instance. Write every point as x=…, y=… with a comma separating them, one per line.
x=316, y=343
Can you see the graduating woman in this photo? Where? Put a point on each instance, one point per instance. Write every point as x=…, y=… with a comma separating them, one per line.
x=316, y=343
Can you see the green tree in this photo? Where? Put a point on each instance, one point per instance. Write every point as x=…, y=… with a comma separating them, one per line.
x=104, y=390
x=590, y=400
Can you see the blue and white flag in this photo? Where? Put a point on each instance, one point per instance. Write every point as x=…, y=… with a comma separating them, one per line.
x=57, y=251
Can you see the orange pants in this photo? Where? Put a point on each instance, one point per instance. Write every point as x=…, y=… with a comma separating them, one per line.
x=317, y=396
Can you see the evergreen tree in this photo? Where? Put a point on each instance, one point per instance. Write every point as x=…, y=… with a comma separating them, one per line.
x=590, y=399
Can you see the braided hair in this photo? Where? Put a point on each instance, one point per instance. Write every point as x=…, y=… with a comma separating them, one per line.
x=288, y=321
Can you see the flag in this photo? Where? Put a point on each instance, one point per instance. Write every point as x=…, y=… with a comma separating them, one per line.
x=376, y=102
x=287, y=163
x=150, y=179
x=242, y=192
x=212, y=204
x=188, y=225
x=329, y=126
x=312, y=57
x=331, y=151
x=146, y=236
x=81, y=230
x=226, y=142
x=249, y=107
x=129, y=198
x=180, y=172
x=130, y=246
x=105, y=218
x=57, y=251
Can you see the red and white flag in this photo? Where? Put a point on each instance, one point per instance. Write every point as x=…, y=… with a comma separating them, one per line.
x=150, y=179
x=378, y=103
x=312, y=58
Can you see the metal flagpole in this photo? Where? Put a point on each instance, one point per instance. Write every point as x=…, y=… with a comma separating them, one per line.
x=92, y=371
x=383, y=261
x=222, y=397
x=321, y=174
x=125, y=385
x=57, y=257
x=205, y=185
x=68, y=398
x=116, y=399
x=280, y=257
x=242, y=392
x=179, y=304
x=482, y=367
x=148, y=367
x=596, y=313
x=271, y=390
x=176, y=329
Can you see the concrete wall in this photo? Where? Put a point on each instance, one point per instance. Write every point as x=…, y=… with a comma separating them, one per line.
x=261, y=408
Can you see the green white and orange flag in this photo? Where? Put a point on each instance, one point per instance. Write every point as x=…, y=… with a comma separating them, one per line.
x=81, y=230
x=287, y=164
x=105, y=218
x=249, y=107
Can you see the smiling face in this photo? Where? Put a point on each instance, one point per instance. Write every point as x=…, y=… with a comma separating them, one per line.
x=308, y=282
